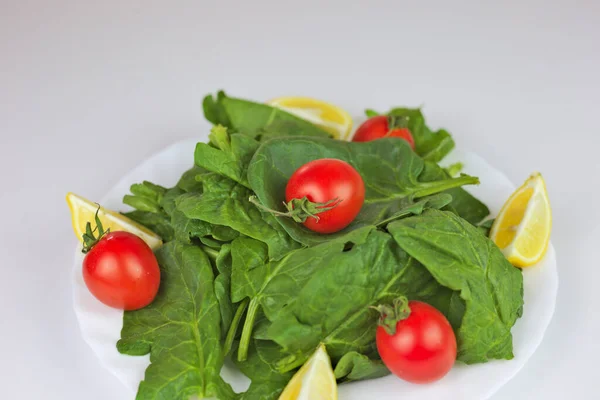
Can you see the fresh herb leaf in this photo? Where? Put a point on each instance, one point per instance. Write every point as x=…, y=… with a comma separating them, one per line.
x=462, y=259
x=180, y=330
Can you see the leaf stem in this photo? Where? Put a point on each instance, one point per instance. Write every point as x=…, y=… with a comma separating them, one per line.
x=429, y=188
x=234, y=326
x=290, y=363
x=247, y=330
x=210, y=252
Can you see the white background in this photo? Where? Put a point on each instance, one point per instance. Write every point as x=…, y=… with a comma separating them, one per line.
x=90, y=89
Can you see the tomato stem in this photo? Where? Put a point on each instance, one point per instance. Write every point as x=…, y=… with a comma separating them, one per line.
x=299, y=209
x=89, y=237
x=390, y=315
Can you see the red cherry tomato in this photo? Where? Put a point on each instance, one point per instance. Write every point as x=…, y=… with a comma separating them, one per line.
x=322, y=181
x=423, y=348
x=121, y=271
x=378, y=127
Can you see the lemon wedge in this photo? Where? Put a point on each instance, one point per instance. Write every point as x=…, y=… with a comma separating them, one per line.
x=522, y=228
x=84, y=211
x=314, y=381
x=328, y=117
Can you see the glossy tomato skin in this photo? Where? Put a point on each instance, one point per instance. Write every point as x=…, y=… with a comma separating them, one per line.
x=121, y=271
x=324, y=180
x=423, y=349
x=378, y=127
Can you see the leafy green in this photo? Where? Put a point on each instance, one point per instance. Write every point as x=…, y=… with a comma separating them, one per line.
x=146, y=196
x=462, y=259
x=463, y=203
x=256, y=120
x=454, y=169
x=214, y=110
x=149, y=198
x=159, y=223
x=228, y=155
x=432, y=146
x=191, y=180
x=267, y=382
x=225, y=202
x=236, y=280
x=354, y=366
x=333, y=305
x=180, y=330
x=390, y=170
x=486, y=226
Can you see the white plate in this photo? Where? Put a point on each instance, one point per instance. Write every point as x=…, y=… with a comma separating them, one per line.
x=101, y=325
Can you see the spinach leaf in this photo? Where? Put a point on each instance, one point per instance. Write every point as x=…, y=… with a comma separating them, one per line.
x=390, y=170
x=462, y=259
x=432, y=146
x=148, y=198
x=228, y=155
x=464, y=204
x=225, y=202
x=354, y=366
x=256, y=119
x=180, y=330
x=159, y=223
x=272, y=285
x=486, y=226
x=332, y=306
x=191, y=180
x=213, y=109
x=267, y=382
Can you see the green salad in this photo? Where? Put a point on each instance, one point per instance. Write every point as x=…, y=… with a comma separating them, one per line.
x=244, y=278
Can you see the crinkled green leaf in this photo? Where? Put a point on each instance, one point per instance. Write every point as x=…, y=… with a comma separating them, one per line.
x=462, y=259
x=354, y=366
x=256, y=119
x=333, y=305
x=463, y=203
x=225, y=202
x=159, y=223
x=191, y=180
x=180, y=330
x=228, y=155
x=432, y=146
x=213, y=109
x=390, y=170
x=267, y=382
